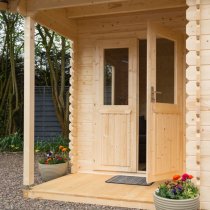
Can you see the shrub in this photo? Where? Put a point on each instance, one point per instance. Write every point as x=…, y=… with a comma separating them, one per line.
x=14, y=143
x=50, y=144
x=11, y=143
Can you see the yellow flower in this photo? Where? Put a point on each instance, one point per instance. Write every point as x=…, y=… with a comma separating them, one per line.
x=64, y=149
x=61, y=147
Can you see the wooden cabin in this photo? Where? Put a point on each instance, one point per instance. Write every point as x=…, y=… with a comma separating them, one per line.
x=140, y=95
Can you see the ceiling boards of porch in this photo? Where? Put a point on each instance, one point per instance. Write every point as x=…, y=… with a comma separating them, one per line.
x=62, y=15
x=86, y=8
x=3, y=6
x=131, y=23
x=58, y=22
x=38, y=5
x=122, y=7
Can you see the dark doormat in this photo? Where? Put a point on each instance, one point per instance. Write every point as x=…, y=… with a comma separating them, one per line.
x=130, y=180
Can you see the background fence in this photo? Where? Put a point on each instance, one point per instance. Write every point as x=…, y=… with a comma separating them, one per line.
x=46, y=122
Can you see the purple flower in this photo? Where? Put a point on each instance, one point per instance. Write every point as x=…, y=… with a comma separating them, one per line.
x=179, y=187
x=174, y=191
x=49, y=154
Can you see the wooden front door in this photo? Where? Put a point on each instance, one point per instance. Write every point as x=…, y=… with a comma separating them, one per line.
x=116, y=105
x=164, y=103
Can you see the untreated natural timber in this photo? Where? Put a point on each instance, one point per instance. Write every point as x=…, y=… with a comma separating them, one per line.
x=37, y=5
x=57, y=21
x=122, y=7
x=3, y=6
x=28, y=170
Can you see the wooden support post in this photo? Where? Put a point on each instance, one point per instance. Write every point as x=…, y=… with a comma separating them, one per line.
x=28, y=170
x=3, y=6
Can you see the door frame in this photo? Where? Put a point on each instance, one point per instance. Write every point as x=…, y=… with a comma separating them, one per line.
x=96, y=80
x=139, y=172
x=100, y=108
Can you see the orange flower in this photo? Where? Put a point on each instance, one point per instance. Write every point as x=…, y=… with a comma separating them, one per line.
x=190, y=176
x=61, y=147
x=64, y=149
x=176, y=177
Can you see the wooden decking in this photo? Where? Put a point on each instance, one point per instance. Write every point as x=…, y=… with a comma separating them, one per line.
x=92, y=189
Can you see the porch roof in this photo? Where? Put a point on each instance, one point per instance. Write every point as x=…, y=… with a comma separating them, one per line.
x=61, y=15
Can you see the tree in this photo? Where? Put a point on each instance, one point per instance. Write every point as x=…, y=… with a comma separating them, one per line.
x=51, y=67
x=57, y=58
x=11, y=72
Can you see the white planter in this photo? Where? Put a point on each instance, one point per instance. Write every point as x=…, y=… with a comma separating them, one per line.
x=170, y=204
x=53, y=171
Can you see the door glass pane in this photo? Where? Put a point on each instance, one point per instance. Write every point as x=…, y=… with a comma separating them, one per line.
x=116, y=76
x=165, y=71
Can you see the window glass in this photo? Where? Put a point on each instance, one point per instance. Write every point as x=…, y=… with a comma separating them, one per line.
x=165, y=75
x=116, y=76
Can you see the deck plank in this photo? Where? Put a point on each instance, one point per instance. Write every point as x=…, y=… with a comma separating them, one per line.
x=91, y=188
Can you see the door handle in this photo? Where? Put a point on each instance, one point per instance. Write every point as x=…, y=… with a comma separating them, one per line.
x=153, y=94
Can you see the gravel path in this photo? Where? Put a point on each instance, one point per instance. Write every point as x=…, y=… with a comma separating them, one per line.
x=11, y=196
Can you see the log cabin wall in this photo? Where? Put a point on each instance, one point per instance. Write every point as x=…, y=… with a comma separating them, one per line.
x=198, y=96
x=73, y=108
x=90, y=30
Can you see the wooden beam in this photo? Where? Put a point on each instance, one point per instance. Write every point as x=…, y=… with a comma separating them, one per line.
x=28, y=170
x=37, y=5
x=57, y=21
x=15, y=6
x=22, y=8
x=3, y=6
x=122, y=7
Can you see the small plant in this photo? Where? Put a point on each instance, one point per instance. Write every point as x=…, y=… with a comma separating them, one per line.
x=11, y=143
x=50, y=144
x=181, y=187
x=59, y=156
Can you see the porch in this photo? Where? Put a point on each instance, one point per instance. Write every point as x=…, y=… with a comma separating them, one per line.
x=92, y=189
x=123, y=20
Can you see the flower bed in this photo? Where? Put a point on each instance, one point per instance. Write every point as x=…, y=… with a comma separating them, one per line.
x=56, y=157
x=54, y=164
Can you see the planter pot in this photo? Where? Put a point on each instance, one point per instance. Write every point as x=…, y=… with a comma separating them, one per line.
x=49, y=172
x=170, y=204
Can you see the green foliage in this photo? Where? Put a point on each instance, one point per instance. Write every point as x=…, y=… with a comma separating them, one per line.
x=55, y=53
x=11, y=143
x=11, y=73
x=50, y=144
x=179, y=189
x=14, y=142
x=52, y=53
